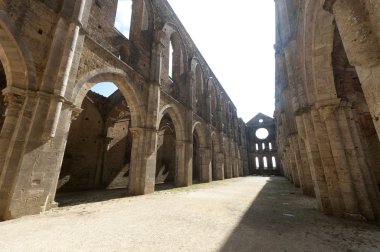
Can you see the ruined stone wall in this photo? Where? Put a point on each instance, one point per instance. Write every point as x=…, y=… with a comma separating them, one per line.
x=261, y=146
x=83, y=150
x=54, y=52
x=325, y=103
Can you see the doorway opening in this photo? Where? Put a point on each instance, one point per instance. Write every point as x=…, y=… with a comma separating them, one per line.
x=98, y=151
x=166, y=154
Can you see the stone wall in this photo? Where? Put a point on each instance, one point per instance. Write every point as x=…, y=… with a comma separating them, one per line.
x=327, y=102
x=262, y=149
x=54, y=52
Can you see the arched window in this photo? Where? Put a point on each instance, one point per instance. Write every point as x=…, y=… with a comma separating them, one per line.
x=175, y=58
x=198, y=87
x=212, y=94
x=257, y=163
x=263, y=146
x=170, y=68
x=265, y=161
x=257, y=147
x=274, y=164
x=270, y=146
x=123, y=17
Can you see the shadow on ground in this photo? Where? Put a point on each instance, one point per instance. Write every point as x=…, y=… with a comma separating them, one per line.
x=77, y=198
x=282, y=219
x=82, y=197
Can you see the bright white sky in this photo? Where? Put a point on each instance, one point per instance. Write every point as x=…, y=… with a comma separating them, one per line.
x=236, y=38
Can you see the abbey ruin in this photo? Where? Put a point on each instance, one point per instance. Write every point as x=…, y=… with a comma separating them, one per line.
x=328, y=101
x=171, y=123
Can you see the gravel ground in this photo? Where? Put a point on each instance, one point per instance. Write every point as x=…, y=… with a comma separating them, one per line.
x=243, y=214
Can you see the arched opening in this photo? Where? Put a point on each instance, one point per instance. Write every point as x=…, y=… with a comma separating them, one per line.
x=348, y=88
x=199, y=89
x=213, y=98
x=98, y=149
x=196, y=158
x=270, y=146
x=256, y=147
x=265, y=163
x=263, y=146
x=274, y=164
x=166, y=154
x=170, y=71
x=124, y=16
x=257, y=163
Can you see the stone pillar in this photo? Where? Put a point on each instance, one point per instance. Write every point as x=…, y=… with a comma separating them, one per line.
x=220, y=165
x=303, y=171
x=343, y=178
x=205, y=163
x=182, y=175
x=142, y=170
x=31, y=164
x=308, y=186
x=295, y=172
x=314, y=160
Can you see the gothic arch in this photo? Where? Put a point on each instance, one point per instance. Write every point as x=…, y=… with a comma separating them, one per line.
x=201, y=131
x=197, y=84
x=174, y=38
x=15, y=56
x=121, y=80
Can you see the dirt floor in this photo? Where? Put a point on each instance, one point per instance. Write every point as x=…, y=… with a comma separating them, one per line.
x=243, y=214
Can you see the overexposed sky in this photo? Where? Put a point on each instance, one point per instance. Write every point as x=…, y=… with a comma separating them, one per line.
x=236, y=38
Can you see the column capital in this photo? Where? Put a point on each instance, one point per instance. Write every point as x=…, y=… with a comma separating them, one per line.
x=75, y=112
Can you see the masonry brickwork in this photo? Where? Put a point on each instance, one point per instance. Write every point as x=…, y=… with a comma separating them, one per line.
x=163, y=125
x=328, y=102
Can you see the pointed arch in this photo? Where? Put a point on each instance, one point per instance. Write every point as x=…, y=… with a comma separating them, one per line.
x=121, y=80
x=15, y=56
x=177, y=119
x=172, y=38
x=197, y=84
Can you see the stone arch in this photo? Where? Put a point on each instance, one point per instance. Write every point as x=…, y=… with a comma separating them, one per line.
x=213, y=96
x=178, y=120
x=178, y=146
x=197, y=85
x=199, y=127
x=172, y=38
x=121, y=80
x=15, y=56
x=201, y=153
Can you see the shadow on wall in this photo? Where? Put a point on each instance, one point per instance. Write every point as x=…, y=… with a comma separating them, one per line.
x=281, y=218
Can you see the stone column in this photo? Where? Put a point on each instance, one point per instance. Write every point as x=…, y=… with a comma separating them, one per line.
x=220, y=165
x=181, y=174
x=143, y=162
x=314, y=160
x=328, y=164
x=205, y=164
x=343, y=178
x=31, y=164
x=303, y=170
